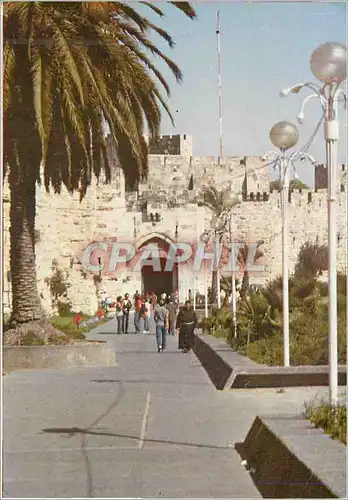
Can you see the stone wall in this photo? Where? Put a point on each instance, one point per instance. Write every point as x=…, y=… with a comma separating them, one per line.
x=65, y=227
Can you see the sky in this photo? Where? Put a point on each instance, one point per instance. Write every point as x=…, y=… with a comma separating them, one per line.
x=264, y=47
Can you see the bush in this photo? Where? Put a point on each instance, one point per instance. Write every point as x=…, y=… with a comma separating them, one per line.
x=332, y=420
x=219, y=323
x=259, y=317
x=268, y=351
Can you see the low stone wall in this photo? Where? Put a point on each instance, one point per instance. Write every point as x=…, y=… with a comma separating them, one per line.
x=280, y=376
x=229, y=370
x=287, y=457
x=60, y=356
x=218, y=360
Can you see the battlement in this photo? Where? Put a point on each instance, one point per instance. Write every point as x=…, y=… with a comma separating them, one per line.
x=296, y=198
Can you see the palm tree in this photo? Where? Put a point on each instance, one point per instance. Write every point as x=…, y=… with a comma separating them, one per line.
x=242, y=260
x=212, y=199
x=226, y=285
x=69, y=68
x=255, y=316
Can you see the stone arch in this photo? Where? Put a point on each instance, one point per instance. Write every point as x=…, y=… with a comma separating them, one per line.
x=163, y=280
x=153, y=236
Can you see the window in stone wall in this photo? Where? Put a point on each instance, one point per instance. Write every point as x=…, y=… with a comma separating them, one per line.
x=190, y=186
x=342, y=188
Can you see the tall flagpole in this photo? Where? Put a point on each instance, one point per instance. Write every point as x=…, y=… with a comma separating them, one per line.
x=219, y=80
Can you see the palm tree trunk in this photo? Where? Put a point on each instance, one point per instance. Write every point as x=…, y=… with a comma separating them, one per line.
x=245, y=284
x=26, y=304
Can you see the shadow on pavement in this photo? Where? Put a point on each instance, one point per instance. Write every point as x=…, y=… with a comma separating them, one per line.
x=163, y=382
x=72, y=431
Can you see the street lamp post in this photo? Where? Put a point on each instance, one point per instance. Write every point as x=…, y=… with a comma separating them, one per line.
x=284, y=136
x=328, y=65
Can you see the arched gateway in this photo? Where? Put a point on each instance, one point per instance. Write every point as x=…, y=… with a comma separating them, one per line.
x=159, y=281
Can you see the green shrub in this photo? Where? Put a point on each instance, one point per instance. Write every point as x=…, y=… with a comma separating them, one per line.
x=219, y=323
x=268, y=351
x=332, y=420
x=259, y=317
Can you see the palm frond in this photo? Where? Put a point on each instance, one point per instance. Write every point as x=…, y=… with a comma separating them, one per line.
x=186, y=8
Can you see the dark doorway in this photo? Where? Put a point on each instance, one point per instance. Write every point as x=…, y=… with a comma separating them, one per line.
x=159, y=281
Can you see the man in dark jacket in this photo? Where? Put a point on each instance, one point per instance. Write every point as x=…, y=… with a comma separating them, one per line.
x=186, y=322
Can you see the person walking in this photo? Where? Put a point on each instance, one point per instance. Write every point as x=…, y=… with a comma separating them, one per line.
x=127, y=306
x=142, y=318
x=147, y=316
x=186, y=323
x=171, y=315
x=161, y=320
x=137, y=306
x=119, y=314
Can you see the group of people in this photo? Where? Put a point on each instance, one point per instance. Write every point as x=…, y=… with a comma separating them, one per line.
x=165, y=314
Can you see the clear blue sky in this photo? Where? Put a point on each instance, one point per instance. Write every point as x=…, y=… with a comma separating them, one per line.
x=264, y=47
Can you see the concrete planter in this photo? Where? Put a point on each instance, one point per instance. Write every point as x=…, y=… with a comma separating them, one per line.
x=58, y=356
x=288, y=457
x=229, y=370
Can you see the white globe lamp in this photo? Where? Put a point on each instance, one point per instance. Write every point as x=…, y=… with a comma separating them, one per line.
x=284, y=135
x=329, y=63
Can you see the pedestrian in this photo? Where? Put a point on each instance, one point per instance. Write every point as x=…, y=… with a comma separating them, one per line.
x=127, y=306
x=142, y=318
x=161, y=320
x=137, y=306
x=186, y=323
x=119, y=314
x=171, y=315
x=147, y=316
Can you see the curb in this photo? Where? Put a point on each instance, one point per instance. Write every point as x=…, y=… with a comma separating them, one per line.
x=58, y=356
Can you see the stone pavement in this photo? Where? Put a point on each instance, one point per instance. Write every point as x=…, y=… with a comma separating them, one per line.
x=152, y=426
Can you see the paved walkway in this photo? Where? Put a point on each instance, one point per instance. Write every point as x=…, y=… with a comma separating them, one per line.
x=153, y=426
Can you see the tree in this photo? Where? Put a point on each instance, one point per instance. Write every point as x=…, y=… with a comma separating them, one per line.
x=212, y=199
x=255, y=318
x=69, y=68
x=312, y=260
x=226, y=285
x=294, y=184
x=242, y=259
